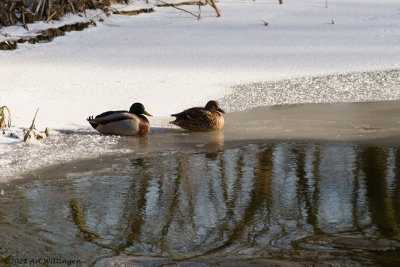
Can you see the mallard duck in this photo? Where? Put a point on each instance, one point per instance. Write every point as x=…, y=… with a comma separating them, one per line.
x=122, y=122
x=200, y=119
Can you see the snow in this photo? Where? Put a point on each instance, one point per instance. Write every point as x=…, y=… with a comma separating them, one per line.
x=169, y=60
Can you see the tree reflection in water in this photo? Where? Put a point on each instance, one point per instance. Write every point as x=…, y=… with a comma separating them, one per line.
x=373, y=163
x=221, y=199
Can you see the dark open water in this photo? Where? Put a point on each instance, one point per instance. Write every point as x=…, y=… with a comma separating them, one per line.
x=247, y=203
x=219, y=199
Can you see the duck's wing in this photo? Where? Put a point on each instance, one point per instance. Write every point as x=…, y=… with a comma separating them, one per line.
x=187, y=113
x=111, y=116
x=107, y=113
x=195, y=120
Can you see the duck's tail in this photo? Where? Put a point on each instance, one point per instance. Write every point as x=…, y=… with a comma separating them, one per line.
x=92, y=122
x=174, y=122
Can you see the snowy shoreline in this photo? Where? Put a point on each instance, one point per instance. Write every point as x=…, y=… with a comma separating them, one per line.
x=372, y=121
x=170, y=61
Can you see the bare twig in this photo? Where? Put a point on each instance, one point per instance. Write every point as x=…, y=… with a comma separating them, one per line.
x=171, y=5
x=41, y=3
x=43, y=7
x=11, y=16
x=51, y=16
x=94, y=5
x=28, y=133
x=72, y=7
x=215, y=7
x=49, y=10
x=191, y=3
x=92, y=19
x=23, y=21
x=199, y=10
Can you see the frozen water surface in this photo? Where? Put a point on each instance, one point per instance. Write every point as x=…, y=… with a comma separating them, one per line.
x=301, y=184
x=337, y=88
x=273, y=122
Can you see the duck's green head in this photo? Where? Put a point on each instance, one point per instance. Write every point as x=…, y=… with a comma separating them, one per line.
x=213, y=106
x=138, y=109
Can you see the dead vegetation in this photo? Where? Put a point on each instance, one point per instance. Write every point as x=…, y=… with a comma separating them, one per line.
x=133, y=12
x=45, y=35
x=191, y=3
x=186, y=3
x=24, y=12
x=13, y=12
x=5, y=118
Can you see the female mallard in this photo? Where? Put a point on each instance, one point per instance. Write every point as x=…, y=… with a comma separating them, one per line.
x=122, y=122
x=204, y=119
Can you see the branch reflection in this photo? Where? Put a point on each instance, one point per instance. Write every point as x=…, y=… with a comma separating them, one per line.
x=220, y=197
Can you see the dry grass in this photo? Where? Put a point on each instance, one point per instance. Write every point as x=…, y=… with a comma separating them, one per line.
x=5, y=118
x=13, y=12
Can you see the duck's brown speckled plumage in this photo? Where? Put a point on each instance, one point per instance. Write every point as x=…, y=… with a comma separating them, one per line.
x=200, y=119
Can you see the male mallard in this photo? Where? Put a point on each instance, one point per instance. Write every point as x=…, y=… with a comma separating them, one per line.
x=204, y=119
x=122, y=122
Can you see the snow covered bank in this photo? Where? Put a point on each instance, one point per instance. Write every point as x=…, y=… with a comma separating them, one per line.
x=169, y=60
x=362, y=122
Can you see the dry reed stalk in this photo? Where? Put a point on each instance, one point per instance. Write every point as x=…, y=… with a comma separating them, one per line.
x=51, y=16
x=14, y=12
x=215, y=7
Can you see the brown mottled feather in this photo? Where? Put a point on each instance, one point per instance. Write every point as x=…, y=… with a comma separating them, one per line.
x=200, y=119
